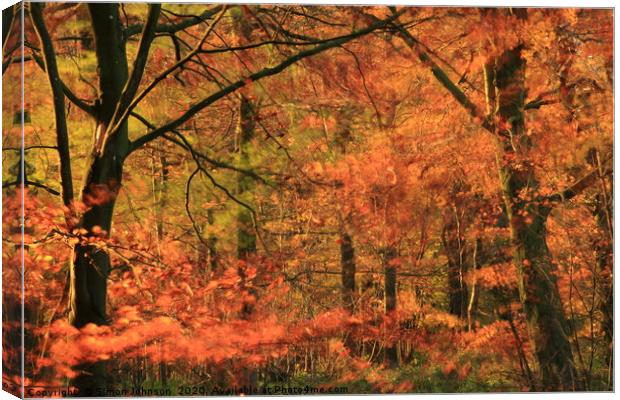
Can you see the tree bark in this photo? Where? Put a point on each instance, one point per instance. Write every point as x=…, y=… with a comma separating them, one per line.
x=90, y=266
x=246, y=236
x=246, y=229
x=161, y=187
x=537, y=286
x=347, y=263
x=472, y=302
x=246, y=126
x=454, y=247
x=389, y=271
x=212, y=258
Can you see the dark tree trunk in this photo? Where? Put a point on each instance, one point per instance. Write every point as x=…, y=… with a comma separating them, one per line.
x=347, y=262
x=161, y=187
x=389, y=298
x=454, y=247
x=246, y=126
x=505, y=94
x=207, y=257
x=347, y=274
x=62, y=133
x=455, y=220
x=90, y=266
x=246, y=230
x=246, y=235
x=211, y=244
x=473, y=292
x=538, y=290
x=103, y=179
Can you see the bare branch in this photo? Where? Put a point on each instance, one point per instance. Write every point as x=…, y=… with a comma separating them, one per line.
x=188, y=211
x=541, y=100
x=372, y=101
x=37, y=146
x=184, y=143
x=536, y=104
x=265, y=72
x=443, y=78
x=131, y=104
x=62, y=133
x=82, y=104
x=173, y=28
x=581, y=184
x=129, y=91
x=32, y=183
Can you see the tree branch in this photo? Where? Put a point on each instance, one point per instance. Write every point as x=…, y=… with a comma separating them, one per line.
x=581, y=184
x=184, y=143
x=131, y=104
x=32, y=183
x=265, y=72
x=225, y=190
x=62, y=133
x=131, y=87
x=443, y=78
x=82, y=104
x=188, y=210
x=536, y=104
x=173, y=28
x=372, y=101
x=541, y=100
x=37, y=146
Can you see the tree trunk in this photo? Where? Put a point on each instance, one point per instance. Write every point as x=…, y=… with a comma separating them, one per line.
x=246, y=233
x=604, y=255
x=472, y=302
x=246, y=236
x=537, y=286
x=90, y=266
x=389, y=293
x=246, y=125
x=347, y=262
x=347, y=274
x=505, y=94
x=454, y=247
x=455, y=222
x=211, y=244
x=161, y=187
